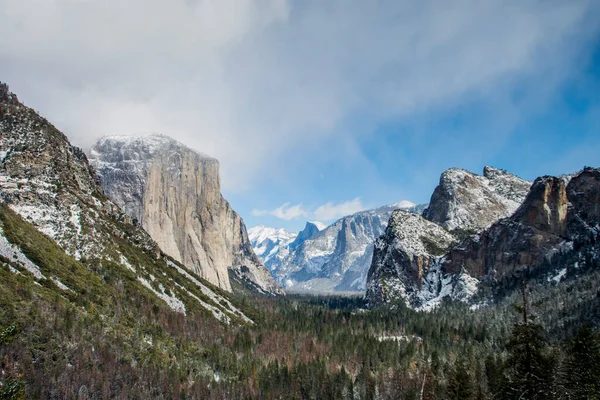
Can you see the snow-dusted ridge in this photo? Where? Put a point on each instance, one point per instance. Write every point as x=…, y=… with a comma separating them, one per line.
x=173, y=192
x=337, y=258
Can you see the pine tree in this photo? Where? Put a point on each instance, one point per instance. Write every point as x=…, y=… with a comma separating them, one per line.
x=530, y=370
x=460, y=386
x=582, y=365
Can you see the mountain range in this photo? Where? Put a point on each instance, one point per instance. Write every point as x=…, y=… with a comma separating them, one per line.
x=489, y=250
x=124, y=273
x=324, y=259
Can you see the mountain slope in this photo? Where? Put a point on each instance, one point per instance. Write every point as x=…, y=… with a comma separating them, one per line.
x=470, y=202
x=174, y=193
x=554, y=231
x=338, y=257
x=406, y=262
x=50, y=184
x=270, y=244
x=559, y=216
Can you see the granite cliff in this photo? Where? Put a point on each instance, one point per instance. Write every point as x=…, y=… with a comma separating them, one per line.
x=173, y=192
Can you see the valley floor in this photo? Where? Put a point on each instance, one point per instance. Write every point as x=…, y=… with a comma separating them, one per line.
x=300, y=347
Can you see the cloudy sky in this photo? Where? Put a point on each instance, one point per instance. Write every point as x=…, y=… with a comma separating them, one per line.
x=317, y=109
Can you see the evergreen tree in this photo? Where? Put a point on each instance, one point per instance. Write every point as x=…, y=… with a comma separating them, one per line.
x=460, y=386
x=530, y=370
x=582, y=365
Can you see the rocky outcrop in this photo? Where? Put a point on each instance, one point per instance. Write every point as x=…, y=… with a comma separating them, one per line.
x=6, y=96
x=467, y=202
x=50, y=183
x=174, y=194
x=558, y=213
x=406, y=262
x=338, y=257
x=558, y=216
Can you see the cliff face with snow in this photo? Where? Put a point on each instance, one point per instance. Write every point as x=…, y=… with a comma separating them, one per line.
x=559, y=215
x=338, y=257
x=173, y=192
x=49, y=182
x=51, y=186
x=470, y=202
x=406, y=264
x=420, y=262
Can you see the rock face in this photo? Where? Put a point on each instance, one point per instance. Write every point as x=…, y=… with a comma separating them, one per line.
x=50, y=184
x=338, y=257
x=406, y=263
x=558, y=217
x=558, y=213
x=310, y=229
x=174, y=194
x=469, y=202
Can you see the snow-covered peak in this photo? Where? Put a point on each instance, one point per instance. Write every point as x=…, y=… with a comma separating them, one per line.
x=320, y=226
x=270, y=244
x=404, y=204
x=260, y=234
x=131, y=148
x=471, y=202
x=416, y=235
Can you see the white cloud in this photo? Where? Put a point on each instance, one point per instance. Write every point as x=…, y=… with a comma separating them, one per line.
x=325, y=212
x=285, y=211
x=253, y=81
x=331, y=211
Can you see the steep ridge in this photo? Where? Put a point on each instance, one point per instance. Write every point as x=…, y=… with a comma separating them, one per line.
x=49, y=184
x=273, y=245
x=338, y=257
x=551, y=231
x=559, y=215
x=469, y=202
x=406, y=261
x=174, y=193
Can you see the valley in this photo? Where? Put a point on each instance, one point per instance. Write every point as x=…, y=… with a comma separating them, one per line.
x=125, y=273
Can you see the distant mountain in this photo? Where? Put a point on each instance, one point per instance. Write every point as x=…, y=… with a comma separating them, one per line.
x=338, y=257
x=553, y=231
x=270, y=244
x=174, y=194
x=310, y=229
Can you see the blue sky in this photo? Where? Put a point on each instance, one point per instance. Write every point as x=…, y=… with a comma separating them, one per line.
x=403, y=158
x=317, y=109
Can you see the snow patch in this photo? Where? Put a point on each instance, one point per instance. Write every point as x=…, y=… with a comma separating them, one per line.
x=172, y=301
x=15, y=254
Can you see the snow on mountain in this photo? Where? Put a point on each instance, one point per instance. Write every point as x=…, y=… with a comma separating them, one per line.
x=174, y=193
x=555, y=227
x=338, y=257
x=471, y=202
x=50, y=185
x=270, y=244
x=407, y=265
x=310, y=229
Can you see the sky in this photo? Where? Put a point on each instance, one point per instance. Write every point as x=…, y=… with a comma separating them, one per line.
x=318, y=109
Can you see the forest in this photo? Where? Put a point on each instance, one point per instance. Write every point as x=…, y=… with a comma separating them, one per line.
x=299, y=348
x=109, y=337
